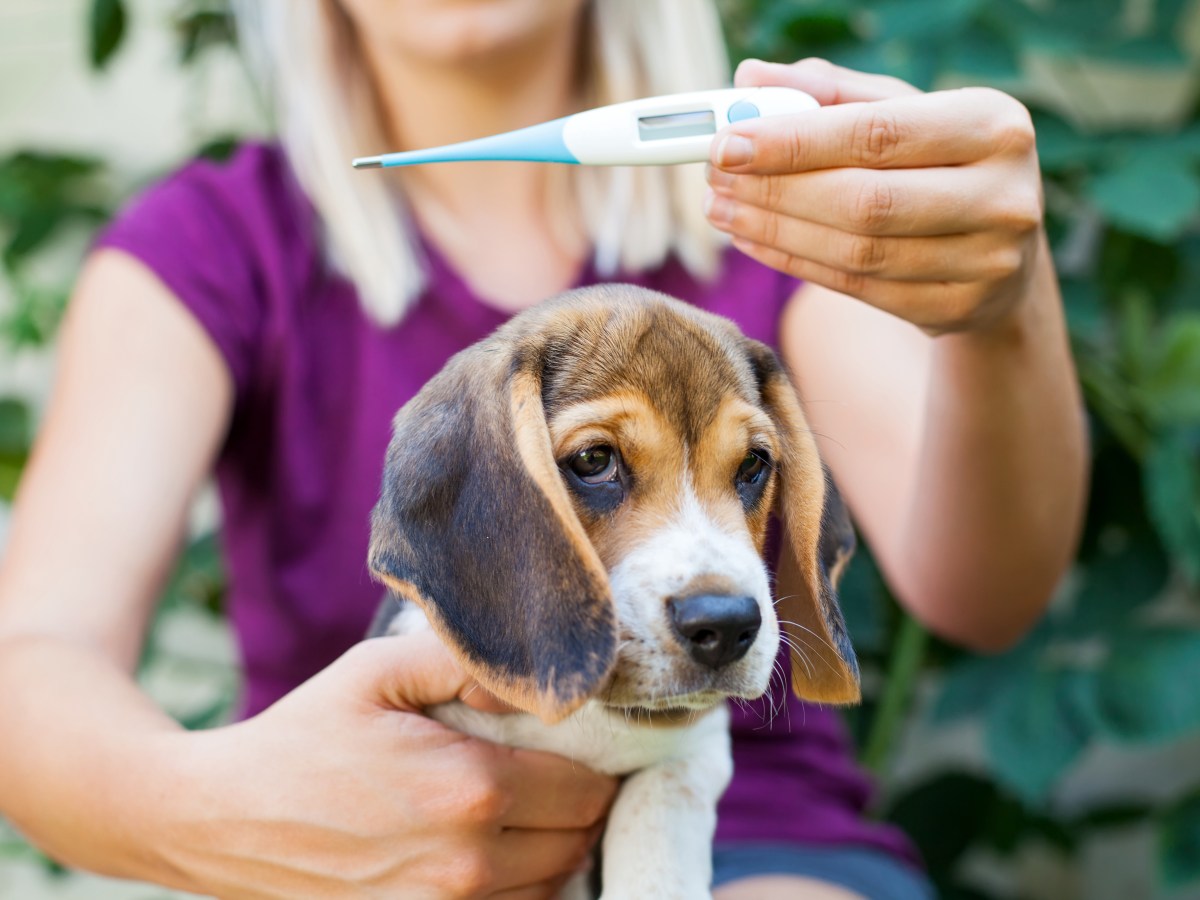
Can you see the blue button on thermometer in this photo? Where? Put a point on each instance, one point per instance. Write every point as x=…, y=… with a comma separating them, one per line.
x=655, y=131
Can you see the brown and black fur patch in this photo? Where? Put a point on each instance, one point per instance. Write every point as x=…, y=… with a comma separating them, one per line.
x=820, y=539
x=476, y=525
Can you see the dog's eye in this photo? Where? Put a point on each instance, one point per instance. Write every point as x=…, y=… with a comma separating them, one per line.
x=753, y=467
x=594, y=465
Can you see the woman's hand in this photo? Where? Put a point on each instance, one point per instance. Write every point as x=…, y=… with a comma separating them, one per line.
x=927, y=206
x=344, y=789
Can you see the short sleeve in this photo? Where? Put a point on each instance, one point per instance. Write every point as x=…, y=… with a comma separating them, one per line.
x=200, y=232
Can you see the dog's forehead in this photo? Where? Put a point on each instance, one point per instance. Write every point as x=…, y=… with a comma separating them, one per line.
x=683, y=361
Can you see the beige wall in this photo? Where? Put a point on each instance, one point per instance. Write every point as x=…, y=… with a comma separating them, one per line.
x=142, y=113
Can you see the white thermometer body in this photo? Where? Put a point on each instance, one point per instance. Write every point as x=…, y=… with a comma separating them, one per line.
x=653, y=131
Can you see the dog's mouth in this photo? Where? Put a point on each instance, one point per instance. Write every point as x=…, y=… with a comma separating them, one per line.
x=677, y=702
x=665, y=715
x=685, y=697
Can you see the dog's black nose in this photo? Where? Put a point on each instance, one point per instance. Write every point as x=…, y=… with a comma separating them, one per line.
x=715, y=629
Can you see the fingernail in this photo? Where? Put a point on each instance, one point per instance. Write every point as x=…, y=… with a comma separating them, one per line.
x=734, y=150
x=718, y=209
x=747, y=247
x=719, y=178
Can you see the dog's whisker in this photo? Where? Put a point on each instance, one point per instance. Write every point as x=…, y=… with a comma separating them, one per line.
x=805, y=628
x=820, y=656
x=799, y=652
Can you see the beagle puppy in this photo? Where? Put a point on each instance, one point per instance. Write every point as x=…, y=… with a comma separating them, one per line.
x=578, y=507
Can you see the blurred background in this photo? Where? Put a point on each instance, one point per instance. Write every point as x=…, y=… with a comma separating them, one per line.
x=1067, y=768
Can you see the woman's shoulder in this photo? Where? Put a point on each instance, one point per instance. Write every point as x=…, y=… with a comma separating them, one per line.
x=252, y=191
x=231, y=239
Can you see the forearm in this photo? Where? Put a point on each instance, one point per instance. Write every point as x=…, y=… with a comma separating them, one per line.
x=82, y=772
x=994, y=511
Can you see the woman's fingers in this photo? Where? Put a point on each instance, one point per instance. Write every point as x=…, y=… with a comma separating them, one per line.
x=904, y=202
x=940, y=129
x=828, y=83
x=934, y=307
x=525, y=859
x=945, y=258
x=924, y=205
x=568, y=795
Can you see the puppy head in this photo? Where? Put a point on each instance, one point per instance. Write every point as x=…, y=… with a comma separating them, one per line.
x=579, y=504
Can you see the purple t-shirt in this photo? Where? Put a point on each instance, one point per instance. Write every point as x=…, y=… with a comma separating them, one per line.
x=317, y=385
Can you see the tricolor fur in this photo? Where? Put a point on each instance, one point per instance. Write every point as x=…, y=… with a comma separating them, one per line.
x=562, y=594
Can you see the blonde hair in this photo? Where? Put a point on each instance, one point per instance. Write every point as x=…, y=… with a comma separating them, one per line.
x=327, y=113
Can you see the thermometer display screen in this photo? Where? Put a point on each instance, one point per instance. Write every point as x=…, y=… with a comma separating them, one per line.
x=677, y=125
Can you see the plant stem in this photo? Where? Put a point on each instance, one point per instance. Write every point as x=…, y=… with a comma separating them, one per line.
x=908, y=653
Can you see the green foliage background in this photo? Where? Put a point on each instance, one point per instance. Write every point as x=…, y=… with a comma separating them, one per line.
x=1112, y=89
x=1117, y=661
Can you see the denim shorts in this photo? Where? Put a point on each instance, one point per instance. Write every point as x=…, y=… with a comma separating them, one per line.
x=872, y=873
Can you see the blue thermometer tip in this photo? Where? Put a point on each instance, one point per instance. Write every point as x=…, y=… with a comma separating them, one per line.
x=537, y=143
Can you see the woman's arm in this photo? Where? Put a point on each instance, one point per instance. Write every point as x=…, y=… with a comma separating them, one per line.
x=341, y=783
x=963, y=456
x=913, y=215
x=140, y=404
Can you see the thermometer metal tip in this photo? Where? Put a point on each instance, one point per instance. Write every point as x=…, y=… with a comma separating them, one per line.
x=368, y=162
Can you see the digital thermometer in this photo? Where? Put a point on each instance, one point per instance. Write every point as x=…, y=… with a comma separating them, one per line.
x=655, y=131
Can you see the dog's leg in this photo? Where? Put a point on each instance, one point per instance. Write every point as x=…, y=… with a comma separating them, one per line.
x=658, y=843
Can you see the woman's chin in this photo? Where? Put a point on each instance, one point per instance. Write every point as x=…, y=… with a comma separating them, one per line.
x=461, y=32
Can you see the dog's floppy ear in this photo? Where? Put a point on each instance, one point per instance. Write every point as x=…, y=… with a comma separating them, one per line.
x=819, y=541
x=474, y=524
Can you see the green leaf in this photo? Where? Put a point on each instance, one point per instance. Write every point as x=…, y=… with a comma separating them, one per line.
x=106, y=31
x=31, y=233
x=203, y=28
x=1171, y=385
x=216, y=712
x=1179, y=843
x=199, y=577
x=16, y=429
x=1129, y=263
x=1121, y=573
x=1135, y=316
x=1084, y=308
x=218, y=149
x=969, y=686
x=864, y=603
x=1060, y=146
x=1151, y=52
x=1154, y=196
x=1146, y=689
x=901, y=59
x=16, y=433
x=983, y=54
x=923, y=19
x=945, y=816
x=1172, y=475
x=34, y=317
x=1033, y=731
x=40, y=192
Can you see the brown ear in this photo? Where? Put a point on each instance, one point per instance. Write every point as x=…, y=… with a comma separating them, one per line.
x=819, y=541
x=475, y=525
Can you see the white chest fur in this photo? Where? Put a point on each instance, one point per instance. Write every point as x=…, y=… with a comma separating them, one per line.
x=601, y=738
x=658, y=840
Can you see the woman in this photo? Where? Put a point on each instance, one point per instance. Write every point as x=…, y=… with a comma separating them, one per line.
x=268, y=317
